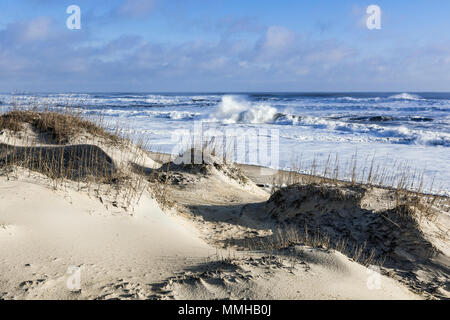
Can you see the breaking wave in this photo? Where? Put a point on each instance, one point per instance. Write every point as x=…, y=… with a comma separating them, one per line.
x=233, y=109
x=406, y=96
x=238, y=110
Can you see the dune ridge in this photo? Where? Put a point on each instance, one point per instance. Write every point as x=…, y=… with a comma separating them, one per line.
x=140, y=226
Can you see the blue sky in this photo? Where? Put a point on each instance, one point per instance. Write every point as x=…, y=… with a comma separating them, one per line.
x=215, y=45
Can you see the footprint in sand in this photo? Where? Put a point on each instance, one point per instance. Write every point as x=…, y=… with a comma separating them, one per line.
x=124, y=290
x=28, y=285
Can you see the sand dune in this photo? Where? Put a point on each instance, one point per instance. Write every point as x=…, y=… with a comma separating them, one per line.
x=151, y=255
x=48, y=231
x=407, y=239
x=161, y=230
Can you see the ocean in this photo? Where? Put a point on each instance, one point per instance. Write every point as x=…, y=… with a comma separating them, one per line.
x=399, y=132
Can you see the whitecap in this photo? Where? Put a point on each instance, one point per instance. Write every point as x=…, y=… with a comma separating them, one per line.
x=233, y=109
x=405, y=96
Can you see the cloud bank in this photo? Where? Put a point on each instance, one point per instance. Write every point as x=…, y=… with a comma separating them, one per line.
x=40, y=55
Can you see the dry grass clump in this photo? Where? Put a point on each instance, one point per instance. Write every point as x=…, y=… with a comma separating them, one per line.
x=407, y=189
x=64, y=161
x=12, y=121
x=290, y=236
x=369, y=171
x=68, y=164
x=60, y=127
x=72, y=162
x=345, y=217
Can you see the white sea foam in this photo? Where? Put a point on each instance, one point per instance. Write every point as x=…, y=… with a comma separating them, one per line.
x=233, y=109
x=406, y=96
x=310, y=125
x=353, y=99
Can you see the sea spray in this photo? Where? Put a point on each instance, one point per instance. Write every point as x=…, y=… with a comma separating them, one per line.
x=234, y=109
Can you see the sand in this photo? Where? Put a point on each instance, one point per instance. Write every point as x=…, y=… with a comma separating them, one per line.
x=150, y=255
x=45, y=231
x=186, y=238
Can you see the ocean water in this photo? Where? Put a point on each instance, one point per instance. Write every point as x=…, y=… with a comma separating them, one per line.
x=401, y=132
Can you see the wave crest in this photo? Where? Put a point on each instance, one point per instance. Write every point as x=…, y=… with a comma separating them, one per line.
x=233, y=109
x=406, y=96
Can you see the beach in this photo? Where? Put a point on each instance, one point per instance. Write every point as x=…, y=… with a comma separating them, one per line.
x=86, y=214
x=401, y=133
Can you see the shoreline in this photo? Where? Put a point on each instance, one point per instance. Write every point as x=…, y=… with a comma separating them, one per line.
x=265, y=177
x=137, y=227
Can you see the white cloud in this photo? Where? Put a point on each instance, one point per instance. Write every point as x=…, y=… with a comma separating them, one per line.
x=37, y=29
x=35, y=56
x=279, y=38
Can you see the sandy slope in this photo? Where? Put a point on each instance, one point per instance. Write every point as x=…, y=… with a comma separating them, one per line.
x=149, y=255
x=145, y=252
x=313, y=274
x=44, y=232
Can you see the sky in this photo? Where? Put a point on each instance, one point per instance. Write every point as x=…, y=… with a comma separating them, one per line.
x=224, y=46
